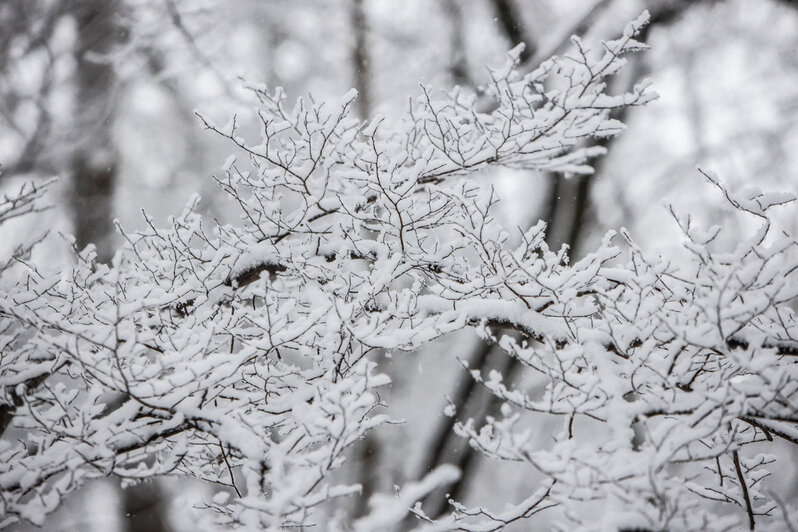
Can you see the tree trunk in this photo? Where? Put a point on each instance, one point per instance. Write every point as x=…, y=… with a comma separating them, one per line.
x=360, y=60
x=93, y=165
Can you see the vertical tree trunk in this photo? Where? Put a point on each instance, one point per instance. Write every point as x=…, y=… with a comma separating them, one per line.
x=94, y=159
x=369, y=451
x=458, y=62
x=93, y=174
x=144, y=509
x=513, y=27
x=360, y=59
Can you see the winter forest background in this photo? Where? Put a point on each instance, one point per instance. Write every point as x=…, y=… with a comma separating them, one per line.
x=139, y=105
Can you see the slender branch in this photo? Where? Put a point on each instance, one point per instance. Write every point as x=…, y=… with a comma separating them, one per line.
x=229, y=469
x=741, y=480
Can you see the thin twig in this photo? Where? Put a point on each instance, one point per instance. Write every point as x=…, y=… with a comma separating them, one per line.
x=741, y=479
x=229, y=469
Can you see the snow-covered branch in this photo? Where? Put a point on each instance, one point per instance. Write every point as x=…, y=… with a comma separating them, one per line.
x=243, y=354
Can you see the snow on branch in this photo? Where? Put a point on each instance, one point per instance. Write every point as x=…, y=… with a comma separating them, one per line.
x=243, y=355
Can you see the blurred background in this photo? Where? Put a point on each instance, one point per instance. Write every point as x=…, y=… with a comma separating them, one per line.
x=103, y=95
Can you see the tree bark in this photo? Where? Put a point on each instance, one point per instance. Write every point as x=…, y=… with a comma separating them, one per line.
x=93, y=171
x=513, y=27
x=94, y=161
x=360, y=59
x=368, y=452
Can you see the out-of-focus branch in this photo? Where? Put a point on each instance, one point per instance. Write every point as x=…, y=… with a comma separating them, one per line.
x=578, y=27
x=514, y=29
x=191, y=42
x=30, y=28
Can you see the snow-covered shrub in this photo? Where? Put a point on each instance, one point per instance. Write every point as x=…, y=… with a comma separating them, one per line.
x=243, y=355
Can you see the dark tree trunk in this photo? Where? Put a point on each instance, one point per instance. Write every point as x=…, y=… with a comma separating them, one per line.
x=144, y=509
x=360, y=59
x=93, y=172
x=513, y=27
x=368, y=452
x=93, y=166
